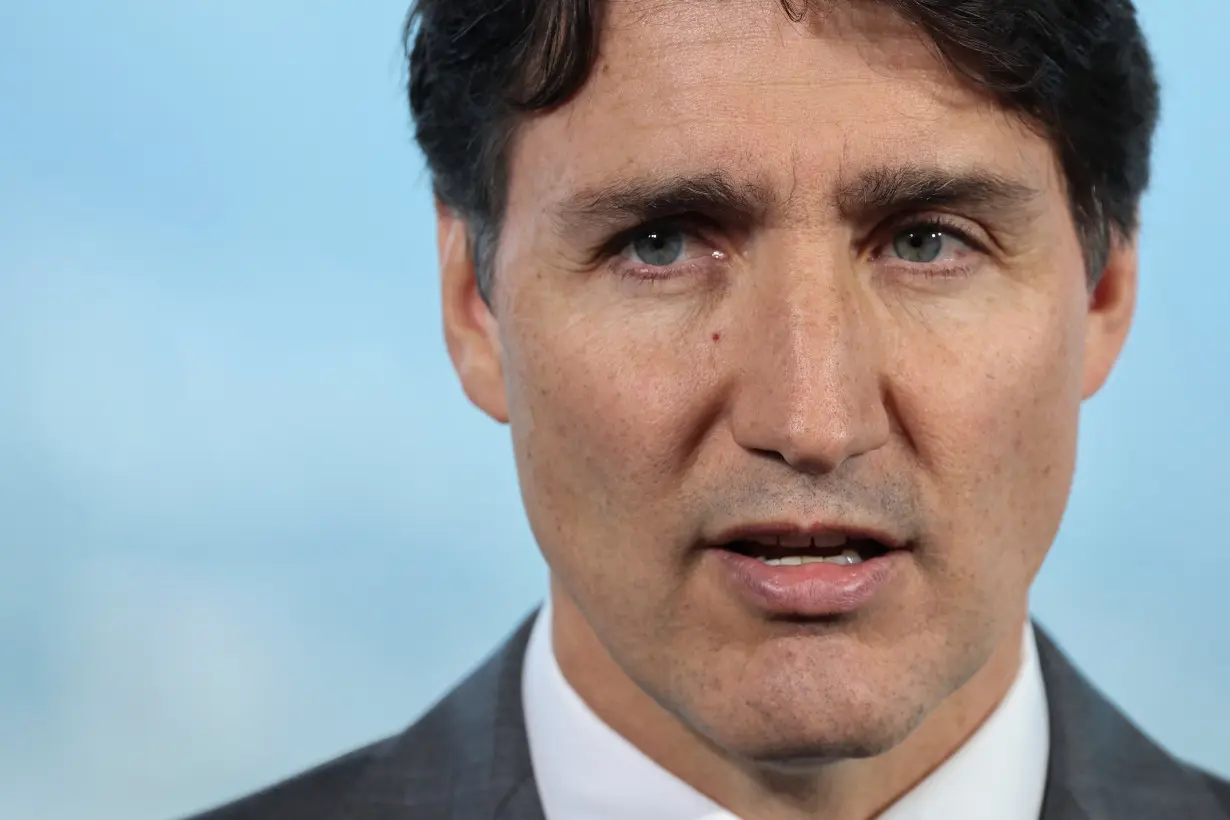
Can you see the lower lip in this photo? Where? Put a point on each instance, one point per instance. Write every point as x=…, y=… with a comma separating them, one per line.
x=811, y=590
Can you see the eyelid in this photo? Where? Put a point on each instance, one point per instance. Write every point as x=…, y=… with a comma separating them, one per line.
x=955, y=227
x=691, y=225
x=696, y=228
x=700, y=252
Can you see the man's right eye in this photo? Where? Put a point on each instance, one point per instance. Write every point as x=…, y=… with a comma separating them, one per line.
x=657, y=247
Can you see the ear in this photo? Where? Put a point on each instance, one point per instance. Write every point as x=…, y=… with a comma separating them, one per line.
x=470, y=328
x=1112, y=304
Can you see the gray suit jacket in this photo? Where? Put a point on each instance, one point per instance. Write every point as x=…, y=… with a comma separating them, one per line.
x=467, y=759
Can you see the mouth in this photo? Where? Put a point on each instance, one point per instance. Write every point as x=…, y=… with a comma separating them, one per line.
x=811, y=573
x=801, y=550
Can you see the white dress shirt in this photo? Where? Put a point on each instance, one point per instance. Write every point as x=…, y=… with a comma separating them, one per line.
x=585, y=770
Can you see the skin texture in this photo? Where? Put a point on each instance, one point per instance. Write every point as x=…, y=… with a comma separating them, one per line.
x=791, y=367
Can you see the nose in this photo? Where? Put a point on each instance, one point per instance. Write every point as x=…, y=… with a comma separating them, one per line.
x=811, y=385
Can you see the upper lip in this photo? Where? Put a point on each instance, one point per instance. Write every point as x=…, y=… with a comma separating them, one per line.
x=785, y=534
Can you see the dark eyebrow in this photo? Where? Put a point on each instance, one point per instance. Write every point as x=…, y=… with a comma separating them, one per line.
x=872, y=193
x=884, y=190
x=714, y=193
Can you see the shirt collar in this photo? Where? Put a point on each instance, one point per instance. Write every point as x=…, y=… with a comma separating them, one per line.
x=585, y=769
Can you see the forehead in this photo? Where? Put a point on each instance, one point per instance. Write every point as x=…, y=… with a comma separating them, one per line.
x=682, y=86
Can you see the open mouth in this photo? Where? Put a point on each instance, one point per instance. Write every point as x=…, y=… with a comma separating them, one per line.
x=787, y=551
x=813, y=572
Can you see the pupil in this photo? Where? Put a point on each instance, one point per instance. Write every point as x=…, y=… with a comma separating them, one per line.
x=920, y=245
x=659, y=248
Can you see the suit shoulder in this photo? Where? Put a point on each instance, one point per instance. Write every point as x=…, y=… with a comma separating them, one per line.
x=1220, y=789
x=475, y=731
x=310, y=795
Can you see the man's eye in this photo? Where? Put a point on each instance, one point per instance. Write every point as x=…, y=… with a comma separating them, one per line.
x=658, y=248
x=927, y=244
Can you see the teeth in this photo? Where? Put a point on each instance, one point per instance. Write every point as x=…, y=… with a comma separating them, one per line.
x=847, y=558
x=826, y=540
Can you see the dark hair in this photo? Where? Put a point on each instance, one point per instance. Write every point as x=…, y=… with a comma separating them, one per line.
x=1078, y=69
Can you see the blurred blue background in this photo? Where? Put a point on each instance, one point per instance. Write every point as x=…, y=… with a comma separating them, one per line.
x=247, y=518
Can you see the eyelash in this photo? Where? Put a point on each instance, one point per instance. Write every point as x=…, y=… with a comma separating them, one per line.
x=941, y=224
x=694, y=227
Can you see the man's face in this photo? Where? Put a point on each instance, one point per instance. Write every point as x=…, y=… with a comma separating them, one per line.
x=762, y=277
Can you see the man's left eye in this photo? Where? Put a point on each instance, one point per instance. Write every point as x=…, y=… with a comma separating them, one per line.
x=927, y=244
x=657, y=248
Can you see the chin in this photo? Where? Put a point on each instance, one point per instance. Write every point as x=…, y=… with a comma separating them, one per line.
x=800, y=750
x=798, y=753
x=802, y=731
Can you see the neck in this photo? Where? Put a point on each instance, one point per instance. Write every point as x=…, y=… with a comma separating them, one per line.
x=847, y=790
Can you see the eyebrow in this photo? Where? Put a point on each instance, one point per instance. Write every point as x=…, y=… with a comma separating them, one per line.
x=901, y=188
x=714, y=192
x=874, y=192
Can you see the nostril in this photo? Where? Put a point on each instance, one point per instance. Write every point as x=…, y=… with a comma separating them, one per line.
x=771, y=455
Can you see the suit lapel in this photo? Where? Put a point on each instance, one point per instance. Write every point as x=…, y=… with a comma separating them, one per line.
x=523, y=803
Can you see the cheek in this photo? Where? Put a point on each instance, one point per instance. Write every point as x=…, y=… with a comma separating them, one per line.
x=605, y=416
x=997, y=432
